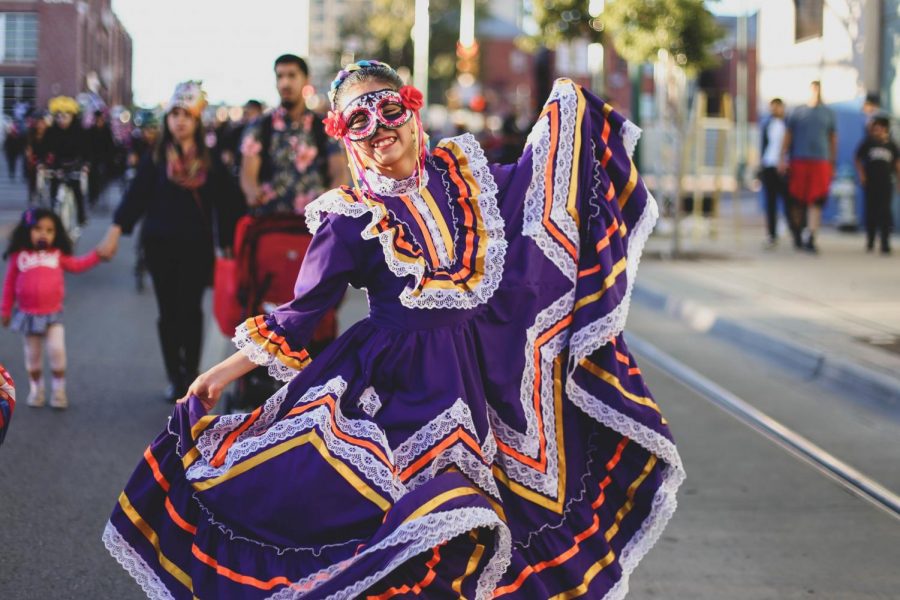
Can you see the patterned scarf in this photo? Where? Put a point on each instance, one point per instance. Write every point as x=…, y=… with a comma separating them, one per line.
x=185, y=169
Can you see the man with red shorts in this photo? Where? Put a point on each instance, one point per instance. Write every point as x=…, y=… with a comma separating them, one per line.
x=811, y=144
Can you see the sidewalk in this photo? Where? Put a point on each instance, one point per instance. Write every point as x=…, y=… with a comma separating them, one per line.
x=835, y=315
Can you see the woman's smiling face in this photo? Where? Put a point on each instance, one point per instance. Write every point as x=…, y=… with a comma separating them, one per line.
x=390, y=151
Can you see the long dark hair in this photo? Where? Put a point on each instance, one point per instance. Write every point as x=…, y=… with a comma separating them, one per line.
x=21, y=235
x=159, y=153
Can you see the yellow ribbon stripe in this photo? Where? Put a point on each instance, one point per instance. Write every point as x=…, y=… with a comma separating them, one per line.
x=151, y=536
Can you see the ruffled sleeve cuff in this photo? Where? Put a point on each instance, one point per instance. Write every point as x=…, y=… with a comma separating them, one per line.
x=263, y=343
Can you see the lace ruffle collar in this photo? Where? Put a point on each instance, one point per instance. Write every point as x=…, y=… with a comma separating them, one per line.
x=388, y=186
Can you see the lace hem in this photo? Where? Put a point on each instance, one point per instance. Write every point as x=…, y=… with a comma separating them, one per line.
x=604, y=414
x=134, y=565
x=630, y=133
x=259, y=355
x=598, y=333
x=419, y=536
x=664, y=504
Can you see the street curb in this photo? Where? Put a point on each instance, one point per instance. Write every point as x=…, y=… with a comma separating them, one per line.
x=817, y=362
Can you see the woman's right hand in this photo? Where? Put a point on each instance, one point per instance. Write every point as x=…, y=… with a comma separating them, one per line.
x=209, y=385
x=5, y=320
x=109, y=245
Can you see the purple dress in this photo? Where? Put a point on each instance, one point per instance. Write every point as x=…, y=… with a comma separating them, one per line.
x=484, y=432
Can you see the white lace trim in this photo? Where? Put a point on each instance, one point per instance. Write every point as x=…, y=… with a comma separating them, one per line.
x=259, y=356
x=469, y=465
x=535, y=197
x=433, y=229
x=630, y=133
x=388, y=186
x=476, y=468
x=598, y=333
x=369, y=401
x=494, y=230
x=528, y=442
x=334, y=201
x=604, y=414
x=419, y=535
x=134, y=565
x=663, y=507
x=375, y=470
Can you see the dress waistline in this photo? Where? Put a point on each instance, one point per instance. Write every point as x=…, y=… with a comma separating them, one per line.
x=424, y=318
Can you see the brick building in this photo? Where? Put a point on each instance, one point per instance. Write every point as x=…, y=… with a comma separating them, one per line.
x=52, y=47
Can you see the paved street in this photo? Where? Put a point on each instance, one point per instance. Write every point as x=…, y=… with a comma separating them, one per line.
x=754, y=522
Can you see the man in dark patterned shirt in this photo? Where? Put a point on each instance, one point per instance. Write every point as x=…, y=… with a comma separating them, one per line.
x=287, y=158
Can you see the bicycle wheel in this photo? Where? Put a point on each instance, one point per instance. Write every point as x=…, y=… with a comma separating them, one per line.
x=65, y=208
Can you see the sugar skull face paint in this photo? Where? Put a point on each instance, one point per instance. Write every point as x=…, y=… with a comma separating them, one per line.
x=365, y=113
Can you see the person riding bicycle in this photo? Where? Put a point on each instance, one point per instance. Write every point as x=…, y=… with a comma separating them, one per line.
x=67, y=149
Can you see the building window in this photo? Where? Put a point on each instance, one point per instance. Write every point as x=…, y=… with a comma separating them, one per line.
x=20, y=32
x=17, y=90
x=809, y=19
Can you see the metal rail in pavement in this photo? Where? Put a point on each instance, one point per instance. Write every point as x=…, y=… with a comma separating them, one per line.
x=844, y=474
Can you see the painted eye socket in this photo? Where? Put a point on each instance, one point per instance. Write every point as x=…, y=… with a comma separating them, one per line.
x=359, y=121
x=391, y=111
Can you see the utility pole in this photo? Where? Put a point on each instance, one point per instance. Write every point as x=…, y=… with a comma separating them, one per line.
x=741, y=101
x=421, y=39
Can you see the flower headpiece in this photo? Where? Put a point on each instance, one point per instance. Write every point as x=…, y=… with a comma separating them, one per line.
x=189, y=96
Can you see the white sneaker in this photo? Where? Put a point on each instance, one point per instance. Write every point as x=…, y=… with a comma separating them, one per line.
x=35, y=397
x=58, y=399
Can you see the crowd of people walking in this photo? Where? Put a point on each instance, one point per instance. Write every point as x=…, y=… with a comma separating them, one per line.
x=798, y=156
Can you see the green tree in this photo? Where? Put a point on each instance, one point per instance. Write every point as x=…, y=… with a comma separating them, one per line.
x=638, y=29
x=387, y=33
x=641, y=28
x=562, y=20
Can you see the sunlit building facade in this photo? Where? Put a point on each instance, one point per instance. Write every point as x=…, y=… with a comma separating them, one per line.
x=851, y=46
x=329, y=45
x=52, y=47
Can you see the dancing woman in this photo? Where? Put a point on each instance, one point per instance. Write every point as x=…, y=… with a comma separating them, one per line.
x=484, y=432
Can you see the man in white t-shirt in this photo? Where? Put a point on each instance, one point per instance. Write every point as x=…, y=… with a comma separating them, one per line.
x=772, y=133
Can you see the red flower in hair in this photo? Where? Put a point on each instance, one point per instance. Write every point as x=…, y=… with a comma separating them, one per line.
x=412, y=98
x=335, y=125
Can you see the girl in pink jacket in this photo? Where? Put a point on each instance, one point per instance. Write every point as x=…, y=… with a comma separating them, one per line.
x=39, y=251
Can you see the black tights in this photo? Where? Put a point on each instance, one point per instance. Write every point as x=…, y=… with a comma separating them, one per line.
x=775, y=187
x=878, y=217
x=180, y=275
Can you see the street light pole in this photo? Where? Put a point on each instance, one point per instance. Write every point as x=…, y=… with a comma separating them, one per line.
x=467, y=23
x=741, y=104
x=421, y=37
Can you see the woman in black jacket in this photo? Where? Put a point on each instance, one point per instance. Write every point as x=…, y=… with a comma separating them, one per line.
x=188, y=202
